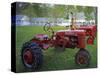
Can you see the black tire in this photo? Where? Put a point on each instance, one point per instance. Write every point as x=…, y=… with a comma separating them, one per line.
x=82, y=57
x=31, y=50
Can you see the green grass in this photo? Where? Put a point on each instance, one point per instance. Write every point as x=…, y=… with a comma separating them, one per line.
x=53, y=60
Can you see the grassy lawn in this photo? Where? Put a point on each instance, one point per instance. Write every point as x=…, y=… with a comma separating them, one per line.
x=53, y=60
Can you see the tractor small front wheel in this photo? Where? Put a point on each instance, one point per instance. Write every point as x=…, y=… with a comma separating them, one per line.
x=82, y=57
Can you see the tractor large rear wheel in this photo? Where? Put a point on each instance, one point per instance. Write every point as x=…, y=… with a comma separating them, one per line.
x=31, y=55
x=82, y=57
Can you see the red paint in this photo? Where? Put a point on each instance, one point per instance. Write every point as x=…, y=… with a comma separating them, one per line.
x=90, y=40
x=67, y=38
x=64, y=38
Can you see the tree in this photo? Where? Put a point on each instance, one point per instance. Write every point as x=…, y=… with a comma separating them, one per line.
x=53, y=11
x=88, y=11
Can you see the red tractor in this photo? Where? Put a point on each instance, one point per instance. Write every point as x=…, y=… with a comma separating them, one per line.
x=32, y=55
x=90, y=31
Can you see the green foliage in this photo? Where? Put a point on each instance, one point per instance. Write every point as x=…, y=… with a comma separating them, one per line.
x=58, y=11
x=51, y=10
x=88, y=11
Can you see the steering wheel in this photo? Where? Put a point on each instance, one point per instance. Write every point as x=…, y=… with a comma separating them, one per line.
x=47, y=28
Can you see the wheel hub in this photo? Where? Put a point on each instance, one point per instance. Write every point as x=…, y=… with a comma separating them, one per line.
x=28, y=58
x=81, y=60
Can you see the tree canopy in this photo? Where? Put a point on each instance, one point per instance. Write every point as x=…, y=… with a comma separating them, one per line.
x=53, y=10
